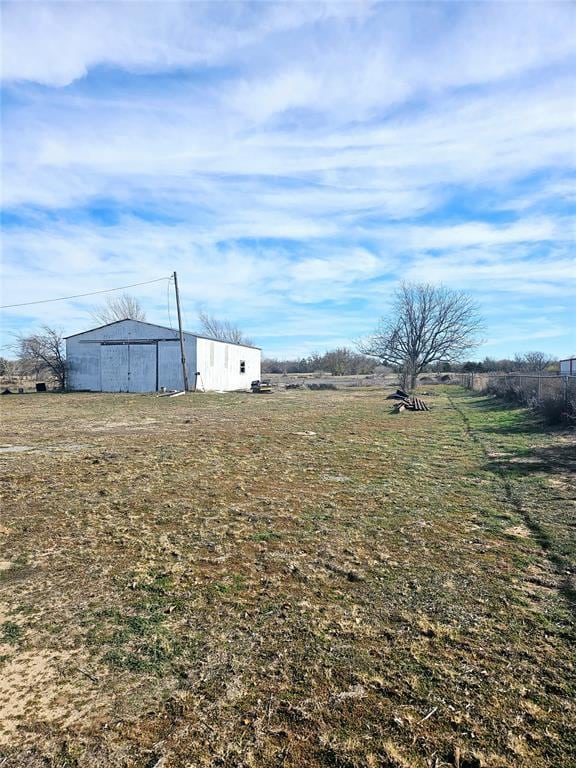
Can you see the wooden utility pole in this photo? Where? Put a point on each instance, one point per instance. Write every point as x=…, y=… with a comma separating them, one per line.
x=182, y=350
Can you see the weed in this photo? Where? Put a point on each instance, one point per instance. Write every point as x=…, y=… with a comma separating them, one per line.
x=265, y=536
x=10, y=632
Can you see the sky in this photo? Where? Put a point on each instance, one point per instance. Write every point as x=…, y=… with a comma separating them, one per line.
x=293, y=162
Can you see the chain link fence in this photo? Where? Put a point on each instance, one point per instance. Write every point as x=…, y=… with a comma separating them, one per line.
x=554, y=395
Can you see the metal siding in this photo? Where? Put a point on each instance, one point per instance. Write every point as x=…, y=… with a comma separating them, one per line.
x=83, y=362
x=169, y=365
x=142, y=368
x=114, y=366
x=127, y=330
x=226, y=377
x=190, y=346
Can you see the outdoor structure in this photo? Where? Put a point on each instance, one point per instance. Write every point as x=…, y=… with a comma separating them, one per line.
x=133, y=356
x=568, y=367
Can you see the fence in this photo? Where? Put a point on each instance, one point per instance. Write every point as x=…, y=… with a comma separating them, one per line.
x=548, y=392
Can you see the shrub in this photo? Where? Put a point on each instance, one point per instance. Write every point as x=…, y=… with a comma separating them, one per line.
x=553, y=411
x=322, y=386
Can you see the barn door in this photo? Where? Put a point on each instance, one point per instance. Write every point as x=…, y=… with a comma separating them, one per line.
x=114, y=367
x=170, y=365
x=142, y=368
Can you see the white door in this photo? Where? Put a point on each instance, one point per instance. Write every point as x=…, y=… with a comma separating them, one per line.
x=114, y=367
x=142, y=368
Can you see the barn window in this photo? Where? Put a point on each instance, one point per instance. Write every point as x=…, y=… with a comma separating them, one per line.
x=242, y=366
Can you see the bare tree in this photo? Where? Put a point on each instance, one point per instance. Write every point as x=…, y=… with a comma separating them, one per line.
x=7, y=367
x=427, y=324
x=43, y=351
x=122, y=307
x=533, y=361
x=223, y=330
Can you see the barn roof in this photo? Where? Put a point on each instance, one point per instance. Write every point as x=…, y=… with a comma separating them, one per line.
x=163, y=328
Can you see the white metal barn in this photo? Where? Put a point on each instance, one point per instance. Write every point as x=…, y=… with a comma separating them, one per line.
x=133, y=356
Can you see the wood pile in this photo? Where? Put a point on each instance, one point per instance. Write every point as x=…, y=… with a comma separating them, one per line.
x=407, y=402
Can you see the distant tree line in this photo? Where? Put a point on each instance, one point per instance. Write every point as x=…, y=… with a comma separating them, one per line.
x=344, y=361
x=529, y=362
x=339, y=362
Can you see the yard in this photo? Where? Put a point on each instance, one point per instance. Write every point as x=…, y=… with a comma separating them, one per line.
x=296, y=579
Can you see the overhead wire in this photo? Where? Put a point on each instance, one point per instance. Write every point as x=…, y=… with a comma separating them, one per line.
x=81, y=295
x=168, y=284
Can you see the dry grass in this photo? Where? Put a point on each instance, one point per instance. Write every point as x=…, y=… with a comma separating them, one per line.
x=299, y=579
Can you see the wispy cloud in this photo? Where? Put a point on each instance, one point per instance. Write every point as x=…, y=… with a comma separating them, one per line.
x=292, y=160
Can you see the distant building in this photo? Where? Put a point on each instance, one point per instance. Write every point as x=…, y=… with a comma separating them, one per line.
x=568, y=366
x=133, y=356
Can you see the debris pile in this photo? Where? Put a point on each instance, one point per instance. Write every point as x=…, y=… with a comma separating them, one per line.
x=171, y=392
x=406, y=402
x=259, y=387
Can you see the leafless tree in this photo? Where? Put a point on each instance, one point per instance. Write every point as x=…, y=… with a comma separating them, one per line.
x=427, y=323
x=533, y=361
x=7, y=367
x=122, y=307
x=44, y=352
x=223, y=330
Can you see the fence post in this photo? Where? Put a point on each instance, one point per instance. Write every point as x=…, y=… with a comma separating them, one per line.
x=566, y=392
x=539, y=388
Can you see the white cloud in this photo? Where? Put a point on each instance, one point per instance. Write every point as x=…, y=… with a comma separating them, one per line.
x=317, y=131
x=65, y=152
x=480, y=234
x=522, y=275
x=286, y=90
x=58, y=43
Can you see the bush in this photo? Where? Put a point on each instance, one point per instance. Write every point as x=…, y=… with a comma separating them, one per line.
x=553, y=412
x=322, y=386
x=505, y=391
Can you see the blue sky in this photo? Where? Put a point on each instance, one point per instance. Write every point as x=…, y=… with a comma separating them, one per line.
x=293, y=162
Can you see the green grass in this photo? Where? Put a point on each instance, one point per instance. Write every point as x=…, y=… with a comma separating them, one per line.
x=219, y=586
x=10, y=632
x=537, y=466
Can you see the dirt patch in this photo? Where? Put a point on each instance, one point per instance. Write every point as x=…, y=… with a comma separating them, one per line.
x=109, y=426
x=35, y=689
x=53, y=448
x=520, y=530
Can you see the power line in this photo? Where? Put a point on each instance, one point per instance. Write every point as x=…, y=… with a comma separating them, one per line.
x=168, y=299
x=80, y=295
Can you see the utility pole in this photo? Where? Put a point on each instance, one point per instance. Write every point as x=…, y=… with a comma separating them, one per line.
x=182, y=350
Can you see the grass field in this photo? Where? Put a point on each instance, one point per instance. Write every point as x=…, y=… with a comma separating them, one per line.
x=300, y=579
